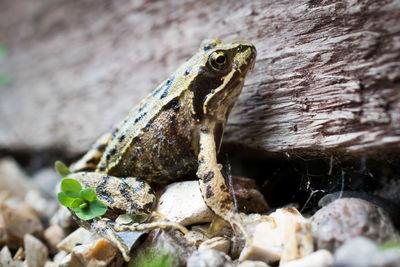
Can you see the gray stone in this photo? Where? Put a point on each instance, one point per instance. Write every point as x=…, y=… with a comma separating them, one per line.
x=253, y=264
x=5, y=256
x=362, y=252
x=13, y=179
x=51, y=264
x=70, y=261
x=209, y=258
x=168, y=241
x=59, y=257
x=36, y=252
x=46, y=180
x=196, y=237
x=348, y=218
x=63, y=218
x=319, y=258
x=45, y=207
x=6, y=259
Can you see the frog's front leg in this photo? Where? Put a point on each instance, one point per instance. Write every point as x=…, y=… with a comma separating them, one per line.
x=212, y=183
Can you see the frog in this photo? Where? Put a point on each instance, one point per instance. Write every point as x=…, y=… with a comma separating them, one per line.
x=175, y=132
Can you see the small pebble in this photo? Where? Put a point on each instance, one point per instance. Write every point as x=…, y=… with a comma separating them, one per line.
x=209, y=258
x=253, y=264
x=362, y=252
x=182, y=203
x=319, y=258
x=283, y=236
x=218, y=243
x=36, y=252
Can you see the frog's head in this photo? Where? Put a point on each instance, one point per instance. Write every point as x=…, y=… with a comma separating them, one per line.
x=219, y=70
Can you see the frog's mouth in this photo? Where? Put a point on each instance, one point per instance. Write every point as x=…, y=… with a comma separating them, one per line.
x=219, y=105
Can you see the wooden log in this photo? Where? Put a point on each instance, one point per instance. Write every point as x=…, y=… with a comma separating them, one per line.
x=326, y=78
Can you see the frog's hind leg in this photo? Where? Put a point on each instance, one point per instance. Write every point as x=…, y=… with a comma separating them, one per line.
x=90, y=160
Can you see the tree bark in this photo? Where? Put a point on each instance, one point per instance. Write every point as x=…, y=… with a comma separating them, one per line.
x=326, y=78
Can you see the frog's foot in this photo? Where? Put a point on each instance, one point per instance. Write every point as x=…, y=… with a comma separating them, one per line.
x=238, y=226
x=216, y=225
x=149, y=226
x=104, y=229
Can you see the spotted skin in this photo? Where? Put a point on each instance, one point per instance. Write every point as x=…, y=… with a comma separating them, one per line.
x=174, y=132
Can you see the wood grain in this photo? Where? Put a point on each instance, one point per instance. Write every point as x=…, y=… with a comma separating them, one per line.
x=327, y=76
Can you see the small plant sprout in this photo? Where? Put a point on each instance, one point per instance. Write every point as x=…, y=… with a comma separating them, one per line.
x=393, y=244
x=83, y=202
x=61, y=168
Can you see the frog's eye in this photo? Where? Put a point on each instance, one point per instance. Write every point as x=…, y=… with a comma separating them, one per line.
x=218, y=60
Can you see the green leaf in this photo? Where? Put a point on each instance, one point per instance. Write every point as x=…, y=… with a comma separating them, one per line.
x=64, y=199
x=61, y=168
x=84, y=214
x=76, y=203
x=97, y=207
x=71, y=187
x=88, y=194
x=83, y=205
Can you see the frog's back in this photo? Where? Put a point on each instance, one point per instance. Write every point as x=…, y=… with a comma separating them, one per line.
x=156, y=141
x=159, y=149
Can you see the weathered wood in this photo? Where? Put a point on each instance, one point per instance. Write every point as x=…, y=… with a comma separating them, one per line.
x=327, y=74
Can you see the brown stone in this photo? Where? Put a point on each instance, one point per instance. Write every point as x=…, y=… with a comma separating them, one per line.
x=15, y=225
x=53, y=235
x=249, y=199
x=99, y=253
